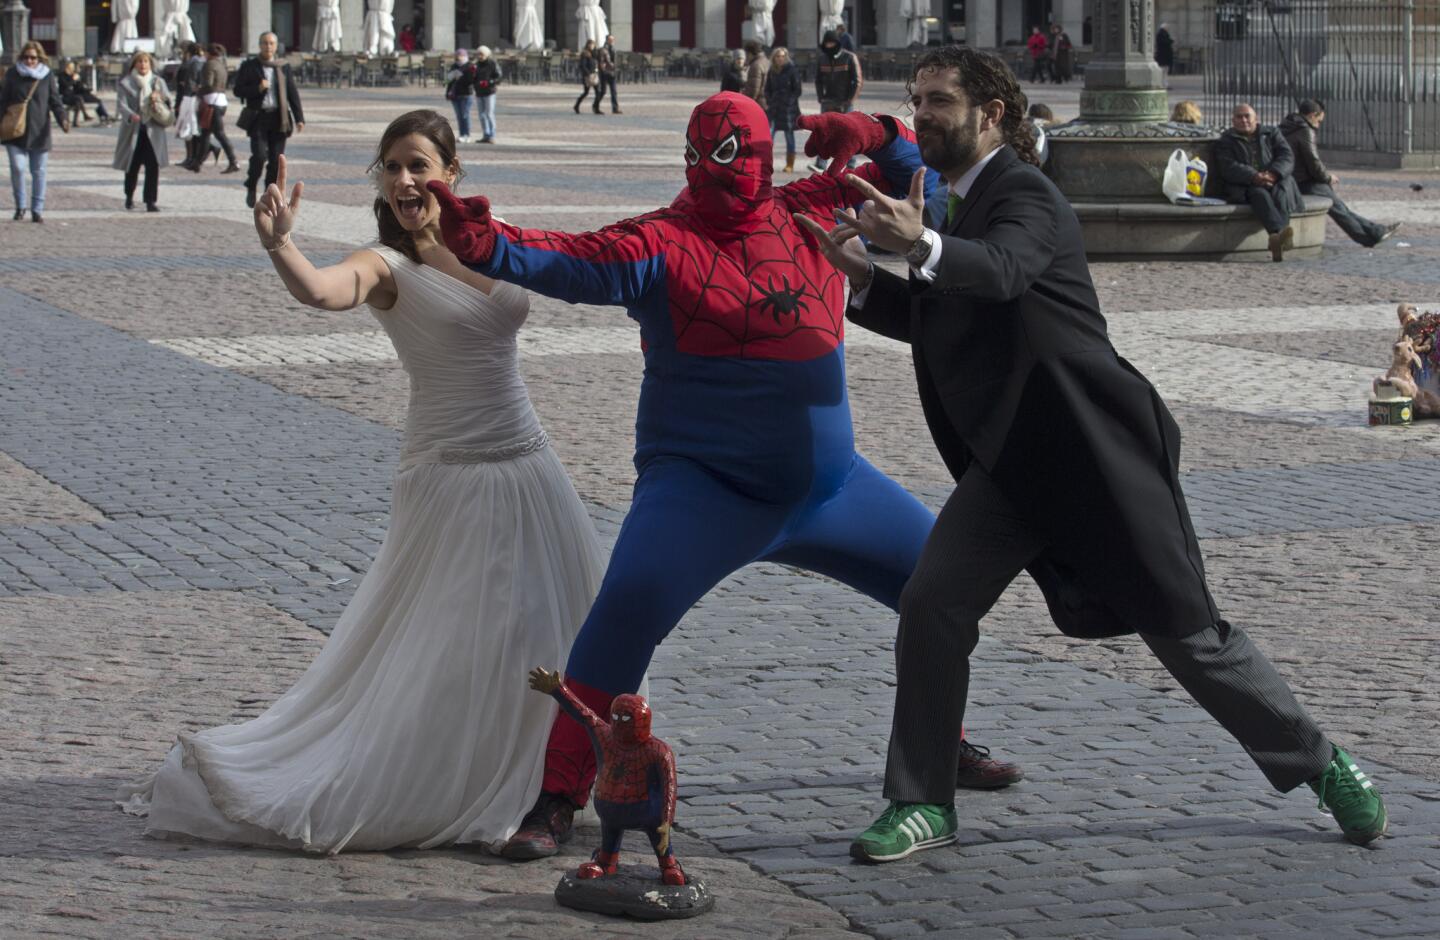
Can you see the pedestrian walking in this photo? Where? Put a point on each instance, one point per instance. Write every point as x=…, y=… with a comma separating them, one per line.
x=608, y=78
x=146, y=111
x=1164, y=51
x=187, y=87
x=460, y=91
x=1062, y=64
x=272, y=112
x=1065, y=458
x=1301, y=131
x=757, y=70
x=783, y=89
x=487, y=80
x=29, y=97
x=732, y=71
x=838, y=81
x=1038, y=47
x=76, y=94
x=589, y=76
x=213, y=104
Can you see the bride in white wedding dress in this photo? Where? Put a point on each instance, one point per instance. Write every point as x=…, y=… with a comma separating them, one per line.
x=414, y=726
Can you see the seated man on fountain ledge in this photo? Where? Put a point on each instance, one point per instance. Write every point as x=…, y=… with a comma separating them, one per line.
x=1257, y=167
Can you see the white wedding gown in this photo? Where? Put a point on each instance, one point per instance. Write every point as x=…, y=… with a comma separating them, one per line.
x=415, y=725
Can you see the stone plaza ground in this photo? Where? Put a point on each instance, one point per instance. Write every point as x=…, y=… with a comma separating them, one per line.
x=195, y=471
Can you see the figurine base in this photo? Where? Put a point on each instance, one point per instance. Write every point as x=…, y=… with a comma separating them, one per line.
x=634, y=892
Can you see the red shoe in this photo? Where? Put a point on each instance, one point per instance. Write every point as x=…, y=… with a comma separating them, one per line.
x=979, y=771
x=670, y=871
x=602, y=864
x=544, y=829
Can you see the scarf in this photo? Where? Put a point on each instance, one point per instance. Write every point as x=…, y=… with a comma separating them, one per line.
x=39, y=71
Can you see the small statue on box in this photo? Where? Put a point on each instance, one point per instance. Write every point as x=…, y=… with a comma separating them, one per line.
x=635, y=784
x=1415, y=363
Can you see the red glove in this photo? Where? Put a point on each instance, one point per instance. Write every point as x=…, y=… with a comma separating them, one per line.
x=841, y=136
x=465, y=224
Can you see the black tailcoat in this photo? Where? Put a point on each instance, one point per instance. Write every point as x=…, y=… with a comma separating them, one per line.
x=1016, y=373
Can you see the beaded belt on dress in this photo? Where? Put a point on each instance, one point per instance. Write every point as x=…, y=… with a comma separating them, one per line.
x=464, y=455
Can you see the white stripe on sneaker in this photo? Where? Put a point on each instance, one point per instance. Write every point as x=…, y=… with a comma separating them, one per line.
x=924, y=824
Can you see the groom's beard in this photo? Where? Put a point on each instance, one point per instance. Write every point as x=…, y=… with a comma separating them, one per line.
x=957, y=147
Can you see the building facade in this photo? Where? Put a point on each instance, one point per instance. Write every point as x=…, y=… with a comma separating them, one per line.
x=82, y=27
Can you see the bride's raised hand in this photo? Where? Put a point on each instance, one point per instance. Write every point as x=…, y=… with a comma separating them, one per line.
x=274, y=217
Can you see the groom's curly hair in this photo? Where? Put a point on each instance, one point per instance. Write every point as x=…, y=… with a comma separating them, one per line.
x=983, y=77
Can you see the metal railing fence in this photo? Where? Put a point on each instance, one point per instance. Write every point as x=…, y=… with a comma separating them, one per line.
x=1375, y=64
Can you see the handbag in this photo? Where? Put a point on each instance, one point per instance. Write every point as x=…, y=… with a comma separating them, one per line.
x=160, y=111
x=591, y=79
x=207, y=114
x=248, y=117
x=13, y=124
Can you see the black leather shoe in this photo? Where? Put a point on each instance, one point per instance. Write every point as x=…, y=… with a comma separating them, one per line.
x=129, y=202
x=544, y=829
x=979, y=771
x=250, y=196
x=151, y=207
x=35, y=217
x=232, y=168
x=19, y=215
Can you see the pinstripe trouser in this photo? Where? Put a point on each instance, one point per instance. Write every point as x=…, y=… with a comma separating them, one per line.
x=978, y=546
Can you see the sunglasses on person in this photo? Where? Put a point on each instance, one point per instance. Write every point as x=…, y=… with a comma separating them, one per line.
x=29, y=57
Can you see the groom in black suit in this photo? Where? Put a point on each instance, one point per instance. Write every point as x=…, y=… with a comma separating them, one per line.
x=1066, y=462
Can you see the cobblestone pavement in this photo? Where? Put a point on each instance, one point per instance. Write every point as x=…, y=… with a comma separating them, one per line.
x=195, y=473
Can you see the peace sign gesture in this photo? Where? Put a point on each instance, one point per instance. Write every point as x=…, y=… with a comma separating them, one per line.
x=274, y=217
x=893, y=224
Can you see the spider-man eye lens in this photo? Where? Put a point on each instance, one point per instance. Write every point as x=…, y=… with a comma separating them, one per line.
x=620, y=717
x=728, y=150
x=692, y=156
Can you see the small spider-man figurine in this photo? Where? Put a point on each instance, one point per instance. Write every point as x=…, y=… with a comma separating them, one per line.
x=635, y=786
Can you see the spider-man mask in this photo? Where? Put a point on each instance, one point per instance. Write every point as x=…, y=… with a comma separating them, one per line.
x=728, y=162
x=630, y=719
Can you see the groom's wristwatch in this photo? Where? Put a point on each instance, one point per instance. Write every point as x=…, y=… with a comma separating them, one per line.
x=919, y=250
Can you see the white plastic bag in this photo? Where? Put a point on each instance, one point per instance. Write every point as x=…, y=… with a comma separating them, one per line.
x=1184, y=179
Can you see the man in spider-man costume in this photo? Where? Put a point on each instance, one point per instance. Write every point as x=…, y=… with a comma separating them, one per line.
x=744, y=448
x=635, y=785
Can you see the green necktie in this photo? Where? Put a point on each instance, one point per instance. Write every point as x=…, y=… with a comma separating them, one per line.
x=953, y=209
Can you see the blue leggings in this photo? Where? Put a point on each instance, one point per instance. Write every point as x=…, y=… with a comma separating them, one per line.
x=687, y=530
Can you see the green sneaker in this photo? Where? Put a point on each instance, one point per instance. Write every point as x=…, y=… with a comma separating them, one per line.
x=905, y=828
x=1348, y=795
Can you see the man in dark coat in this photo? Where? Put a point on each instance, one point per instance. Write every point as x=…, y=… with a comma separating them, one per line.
x=272, y=103
x=1065, y=459
x=1256, y=165
x=1314, y=178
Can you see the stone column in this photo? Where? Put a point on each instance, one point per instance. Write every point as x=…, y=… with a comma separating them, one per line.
x=1071, y=15
x=982, y=24
x=1122, y=81
x=70, y=28
x=14, y=27
x=352, y=25
x=440, y=25
x=254, y=20
x=486, y=28
x=710, y=24
x=891, y=28
x=802, y=27
x=621, y=17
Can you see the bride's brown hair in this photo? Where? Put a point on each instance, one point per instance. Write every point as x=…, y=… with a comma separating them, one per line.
x=434, y=128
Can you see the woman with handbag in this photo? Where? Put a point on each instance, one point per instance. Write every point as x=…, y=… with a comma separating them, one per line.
x=145, y=111
x=589, y=76
x=28, y=97
x=213, y=102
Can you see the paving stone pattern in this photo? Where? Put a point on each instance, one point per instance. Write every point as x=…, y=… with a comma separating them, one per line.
x=195, y=474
